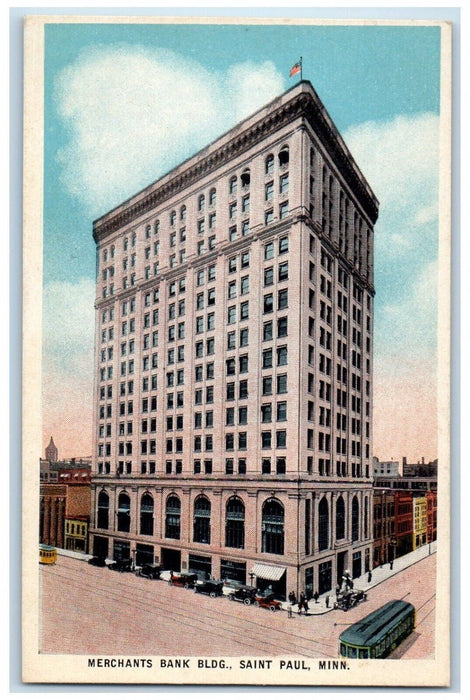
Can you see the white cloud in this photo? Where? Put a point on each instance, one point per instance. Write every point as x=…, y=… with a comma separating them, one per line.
x=400, y=159
x=133, y=113
x=68, y=323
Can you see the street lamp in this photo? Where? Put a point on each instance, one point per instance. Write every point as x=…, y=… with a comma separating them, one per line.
x=251, y=578
x=133, y=558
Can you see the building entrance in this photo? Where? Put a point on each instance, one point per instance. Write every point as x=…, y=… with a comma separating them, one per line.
x=341, y=566
x=324, y=577
x=143, y=554
x=266, y=586
x=100, y=547
x=357, y=565
x=171, y=559
x=121, y=550
x=202, y=566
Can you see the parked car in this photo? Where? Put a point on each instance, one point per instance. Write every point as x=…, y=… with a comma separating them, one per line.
x=349, y=599
x=210, y=587
x=183, y=580
x=149, y=571
x=97, y=561
x=267, y=601
x=243, y=594
x=121, y=565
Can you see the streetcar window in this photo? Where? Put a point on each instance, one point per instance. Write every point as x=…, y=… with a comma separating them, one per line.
x=353, y=652
x=363, y=653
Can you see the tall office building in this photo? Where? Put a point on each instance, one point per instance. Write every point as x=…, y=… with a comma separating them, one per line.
x=233, y=387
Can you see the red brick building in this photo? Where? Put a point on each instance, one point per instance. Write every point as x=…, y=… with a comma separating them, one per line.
x=65, y=511
x=404, y=526
x=384, y=526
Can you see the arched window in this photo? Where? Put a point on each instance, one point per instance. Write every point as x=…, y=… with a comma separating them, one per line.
x=201, y=202
x=212, y=197
x=232, y=185
x=103, y=510
x=113, y=248
x=172, y=218
x=269, y=164
x=105, y=255
x=283, y=156
x=340, y=518
x=124, y=512
x=245, y=178
x=202, y=520
x=235, y=523
x=146, y=515
x=355, y=519
x=156, y=227
x=183, y=213
x=272, y=527
x=323, y=528
x=173, y=518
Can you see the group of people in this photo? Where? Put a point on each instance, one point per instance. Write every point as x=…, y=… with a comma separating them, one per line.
x=302, y=602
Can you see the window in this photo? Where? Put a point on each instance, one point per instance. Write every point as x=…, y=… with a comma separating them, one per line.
x=272, y=527
x=266, y=413
x=172, y=518
x=267, y=386
x=283, y=245
x=282, y=327
x=283, y=210
x=268, y=305
x=232, y=186
x=269, y=164
x=282, y=299
x=244, y=311
x=281, y=355
x=283, y=272
x=268, y=331
x=266, y=440
x=268, y=276
x=269, y=251
x=268, y=218
x=202, y=520
x=234, y=518
x=269, y=191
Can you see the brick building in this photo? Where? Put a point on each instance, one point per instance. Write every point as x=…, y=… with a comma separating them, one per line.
x=233, y=384
x=404, y=522
x=384, y=526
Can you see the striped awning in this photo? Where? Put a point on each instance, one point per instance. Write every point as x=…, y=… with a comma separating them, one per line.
x=268, y=572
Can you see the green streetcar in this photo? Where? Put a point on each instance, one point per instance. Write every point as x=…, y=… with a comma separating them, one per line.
x=378, y=634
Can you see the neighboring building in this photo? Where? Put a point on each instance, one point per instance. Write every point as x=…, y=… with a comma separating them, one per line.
x=411, y=483
x=419, y=521
x=52, y=514
x=385, y=468
x=52, y=453
x=420, y=469
x=431, y=516
x=404, y=522
x=233, y=387
x=48, y=473
x=384, y=526
x=65, y=509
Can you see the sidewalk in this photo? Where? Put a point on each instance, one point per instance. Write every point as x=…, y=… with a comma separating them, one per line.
x=379, y=574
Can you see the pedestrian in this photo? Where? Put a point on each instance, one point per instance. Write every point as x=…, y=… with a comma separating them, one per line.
x=369, y=576
x=306, y=606
x=292, y=598
x=327, y=601
x=300, y=604
x=289, y=610
x=338, y=588
x=316, y=596
x=391, y=564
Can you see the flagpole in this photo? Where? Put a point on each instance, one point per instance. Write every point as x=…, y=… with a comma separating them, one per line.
x=301, y=69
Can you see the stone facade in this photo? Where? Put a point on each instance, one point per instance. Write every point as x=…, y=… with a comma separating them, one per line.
x=234, y=328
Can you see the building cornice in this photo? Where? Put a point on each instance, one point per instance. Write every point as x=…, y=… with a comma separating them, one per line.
x=304, y=104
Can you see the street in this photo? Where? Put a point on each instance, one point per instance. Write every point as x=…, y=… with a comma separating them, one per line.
x=88, y=610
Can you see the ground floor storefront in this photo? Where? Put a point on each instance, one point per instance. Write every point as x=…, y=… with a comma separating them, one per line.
x=318, y=574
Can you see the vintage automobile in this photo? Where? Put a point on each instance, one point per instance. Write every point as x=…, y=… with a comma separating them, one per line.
x=97, y=561
x=149, y=571
x=267, y=601
x=210, y=587
x=348, y=599
x=244, y=594
x=121, y=565
x=183, y=580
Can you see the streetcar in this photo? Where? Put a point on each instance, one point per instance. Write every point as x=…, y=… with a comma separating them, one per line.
x=47, y=554
x=378, y=634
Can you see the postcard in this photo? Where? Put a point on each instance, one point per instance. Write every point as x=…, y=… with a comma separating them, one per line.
x=236, y=351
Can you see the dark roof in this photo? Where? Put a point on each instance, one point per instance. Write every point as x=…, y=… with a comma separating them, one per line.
x=370, y=629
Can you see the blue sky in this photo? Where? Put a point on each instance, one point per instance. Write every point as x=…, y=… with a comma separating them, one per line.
x=112, y=89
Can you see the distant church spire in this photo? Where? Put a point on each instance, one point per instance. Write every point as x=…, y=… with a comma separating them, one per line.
x=52, y=453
